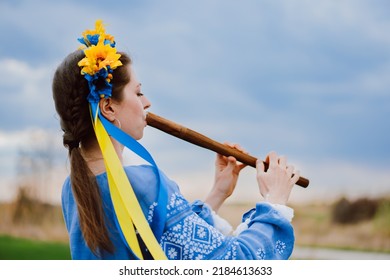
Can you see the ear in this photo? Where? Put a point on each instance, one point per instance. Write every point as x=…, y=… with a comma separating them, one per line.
x=107, y=109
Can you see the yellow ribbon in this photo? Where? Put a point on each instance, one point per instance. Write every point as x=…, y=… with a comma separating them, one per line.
x=126, y=205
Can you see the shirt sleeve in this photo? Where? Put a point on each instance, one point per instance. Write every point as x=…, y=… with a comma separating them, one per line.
x=284, y=211
x=268, y=235
x=204, y=211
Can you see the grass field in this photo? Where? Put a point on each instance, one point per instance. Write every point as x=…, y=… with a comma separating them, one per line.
x=13, y=248
x=37, y=232
x=313, y=227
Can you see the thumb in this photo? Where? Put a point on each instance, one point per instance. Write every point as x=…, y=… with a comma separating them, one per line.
x=231, y=164
x=260, y=166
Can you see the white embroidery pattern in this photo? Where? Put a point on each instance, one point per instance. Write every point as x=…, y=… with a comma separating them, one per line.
x=173, y=251
x=176, y=204
x=189, y=237
x=151, y=212
x=260, y=254
x=280, y=246
x=232, y=253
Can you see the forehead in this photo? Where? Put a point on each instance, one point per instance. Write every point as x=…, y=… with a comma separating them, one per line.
x=133, y=77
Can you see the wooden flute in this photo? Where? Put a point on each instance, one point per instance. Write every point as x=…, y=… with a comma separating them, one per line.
x=201, y=140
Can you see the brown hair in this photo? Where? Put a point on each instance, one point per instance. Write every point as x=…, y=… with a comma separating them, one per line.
x=70, y=91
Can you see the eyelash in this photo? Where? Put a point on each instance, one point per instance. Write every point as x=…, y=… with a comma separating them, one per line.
x=139, y=94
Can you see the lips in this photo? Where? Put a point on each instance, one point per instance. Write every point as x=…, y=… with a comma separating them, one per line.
x=145, y=113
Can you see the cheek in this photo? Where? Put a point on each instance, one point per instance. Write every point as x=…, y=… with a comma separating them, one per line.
x=138, y=107
x=134, y=110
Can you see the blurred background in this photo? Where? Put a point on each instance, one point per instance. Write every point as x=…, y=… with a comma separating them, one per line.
x=307, y=79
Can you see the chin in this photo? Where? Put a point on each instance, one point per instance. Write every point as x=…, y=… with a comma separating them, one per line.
x=139, y=135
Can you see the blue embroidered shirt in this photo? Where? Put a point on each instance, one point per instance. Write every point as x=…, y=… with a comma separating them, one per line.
x=189, y=231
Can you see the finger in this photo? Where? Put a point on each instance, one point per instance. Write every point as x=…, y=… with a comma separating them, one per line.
x=296, y=176
x=235, y=146
x=272, y=159
x=241, y=166
x=231, y=160
x=259, y=166
x=283, y=162
x=231, y=164
x=228, y=144
x=232, y=145
x=234, y=165
x=219, y=157
x=220, y=162
x=239, y=148
x=290, y=170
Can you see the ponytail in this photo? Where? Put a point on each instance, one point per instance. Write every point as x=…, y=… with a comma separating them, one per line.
x=89, y=203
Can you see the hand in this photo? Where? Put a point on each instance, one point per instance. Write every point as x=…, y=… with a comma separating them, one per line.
x=276, y=183
x=227, y=170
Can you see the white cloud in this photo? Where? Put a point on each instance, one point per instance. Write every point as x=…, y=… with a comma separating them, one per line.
x=24, y=77
x=332, y=179
x=265, y=74
x=27, y=91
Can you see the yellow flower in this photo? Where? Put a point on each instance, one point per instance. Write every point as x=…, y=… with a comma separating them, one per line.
x=99, y=57
x=91, y=37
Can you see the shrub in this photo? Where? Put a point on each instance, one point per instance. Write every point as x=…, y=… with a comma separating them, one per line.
x=382, y=217
x=346, y=212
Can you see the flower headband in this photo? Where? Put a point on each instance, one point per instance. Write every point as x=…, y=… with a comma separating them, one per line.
x=101, y=58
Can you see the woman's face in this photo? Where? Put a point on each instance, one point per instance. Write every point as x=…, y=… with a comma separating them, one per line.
x=131, y=110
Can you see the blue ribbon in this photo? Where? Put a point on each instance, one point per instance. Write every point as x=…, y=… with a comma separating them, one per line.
x=158, y=221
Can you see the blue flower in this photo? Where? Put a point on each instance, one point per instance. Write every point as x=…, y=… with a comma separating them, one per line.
x=99, y=85
x=89, y=40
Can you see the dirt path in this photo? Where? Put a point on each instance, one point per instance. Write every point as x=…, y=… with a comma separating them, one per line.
x=307, y=253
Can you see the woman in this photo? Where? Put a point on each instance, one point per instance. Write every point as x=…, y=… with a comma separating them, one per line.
x=183, y=230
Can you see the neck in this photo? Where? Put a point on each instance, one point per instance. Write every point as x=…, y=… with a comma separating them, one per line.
x=94, y=158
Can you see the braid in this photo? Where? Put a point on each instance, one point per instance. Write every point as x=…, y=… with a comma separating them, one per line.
x=70, y=91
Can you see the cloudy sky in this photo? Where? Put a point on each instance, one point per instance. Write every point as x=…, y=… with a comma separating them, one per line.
x=307, y=79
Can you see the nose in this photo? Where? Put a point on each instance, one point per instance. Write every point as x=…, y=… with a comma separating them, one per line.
x=146, y=102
